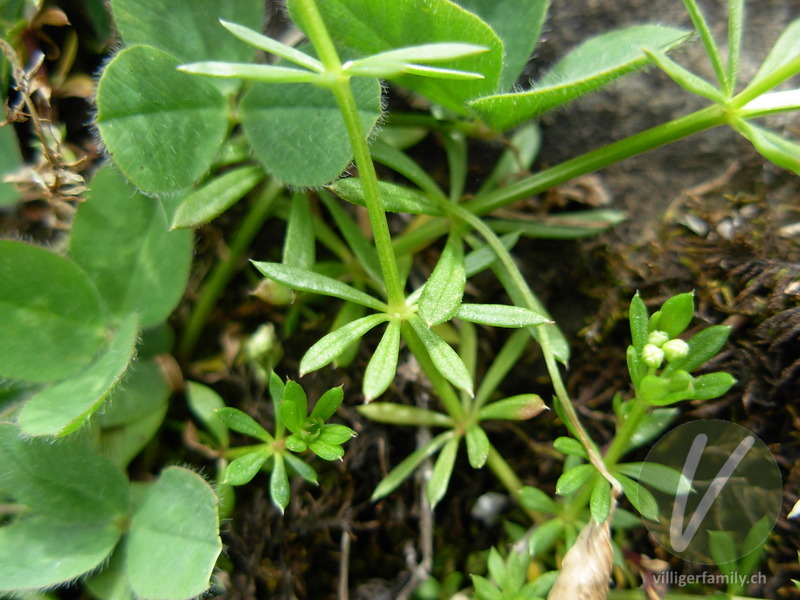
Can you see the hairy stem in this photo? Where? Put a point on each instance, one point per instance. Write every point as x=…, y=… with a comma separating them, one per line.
x=340, y=87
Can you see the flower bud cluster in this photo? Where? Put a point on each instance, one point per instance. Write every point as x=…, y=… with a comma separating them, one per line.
x=659, y=346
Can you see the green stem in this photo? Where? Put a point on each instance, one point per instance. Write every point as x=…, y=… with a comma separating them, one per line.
x=224, y=270
x=543, y=335
x=621, y=441
x=508, y=477
x=702, y=28
x=707, y=118
x=340, y=87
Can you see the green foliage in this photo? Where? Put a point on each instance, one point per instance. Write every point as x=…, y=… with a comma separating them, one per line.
x=277, y=119
x=673, y=383
x=369, y=28
x=187, y=116
x=591, y=65
x=173, y=541
x=308, y=431
x=37, y=326
x=139, y=89
x=65, y=406
x=78, y=505
x=148, y=277
x=10, y=160
x=508, y=579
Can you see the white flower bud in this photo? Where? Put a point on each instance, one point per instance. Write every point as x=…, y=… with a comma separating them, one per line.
x=652, y=356
x=675, y=349
x=658, y=338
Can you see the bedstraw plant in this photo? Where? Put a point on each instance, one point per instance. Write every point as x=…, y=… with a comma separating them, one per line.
x=193, y=124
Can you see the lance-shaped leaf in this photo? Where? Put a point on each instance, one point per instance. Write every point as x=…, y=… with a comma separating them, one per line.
x=403, y=414
x=477, y=446
x=43, y=337
x=336, y=434
x=640, y=497
x=784, y=153
x=783, y=61
x=442, y=470
x=348, y=312
x=298, y=246
x=303, y=469
x=336, y=342
x=243, y=423
x=294, y=407
x=395, y=198
x=712, y=385
x=574, y=479
x=250, y=72
x=593, y=64
x=446, y=360
x=309, y=281
x=703, y=346
x=600, y=500
x=383, y=364
x=500, y=315
x=676, y=314
x=65, y=406
x=638, y=319
x=658, y=476
x=241, y=470
x=483, y=257
x=327, y=404
x=563, y=226
x=218, y=195
x=545, y=536
x=684, y=77
x=772, y=103
x=279, y=489
x=444, y=289
x=407, y=466
x=203, y=402
x=273, y=46
x=570, y=446
x=410, y=60
x=326, y=450
x=723, y=552
x=10, y=158
x=174, y=542
x=163, y=128
x=516, y=408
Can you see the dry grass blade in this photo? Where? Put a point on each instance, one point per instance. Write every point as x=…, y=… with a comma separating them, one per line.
x=586, y=567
